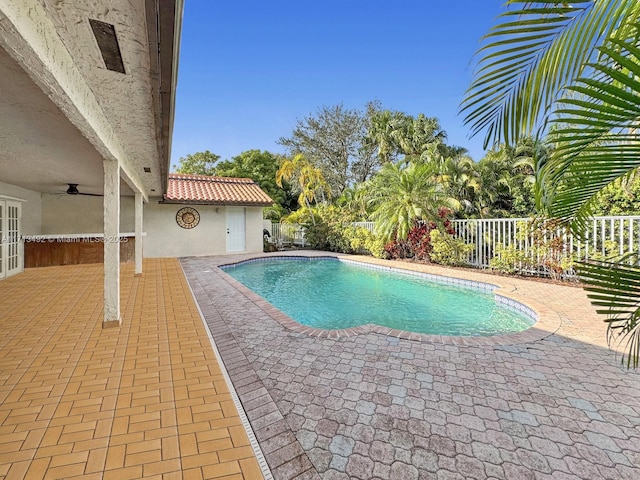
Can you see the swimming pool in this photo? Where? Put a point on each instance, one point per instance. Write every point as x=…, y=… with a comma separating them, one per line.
x=329, y=293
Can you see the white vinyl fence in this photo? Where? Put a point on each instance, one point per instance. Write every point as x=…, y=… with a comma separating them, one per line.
x=605, y=237
x=371, y=226
x=288, y=234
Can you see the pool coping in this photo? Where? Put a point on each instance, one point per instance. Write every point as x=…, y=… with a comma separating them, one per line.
x=547, y=321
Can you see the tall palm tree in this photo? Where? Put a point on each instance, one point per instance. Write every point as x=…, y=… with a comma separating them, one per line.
x=575, y=64
x=402, y=193
x=309, y=181
x=396, y=133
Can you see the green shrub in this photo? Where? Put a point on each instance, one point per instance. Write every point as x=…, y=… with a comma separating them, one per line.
x=544, y=255
x=509, y=259
x=316, y=236
x=375, y=246
x=448, y=250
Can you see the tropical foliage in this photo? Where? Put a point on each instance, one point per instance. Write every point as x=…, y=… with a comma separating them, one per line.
x=620, y=198
x=332, y=141
x=403, y=193
x=260, y=166
x=398, y=135
x=576, y=65
x=446, y=249
x=332, y=232
x=199, y=163
x=309, y=181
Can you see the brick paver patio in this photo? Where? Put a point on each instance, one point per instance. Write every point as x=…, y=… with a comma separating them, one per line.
x=145, y=400
x=375, y=406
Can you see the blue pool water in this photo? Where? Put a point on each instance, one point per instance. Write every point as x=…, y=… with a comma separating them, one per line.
x=331, y=294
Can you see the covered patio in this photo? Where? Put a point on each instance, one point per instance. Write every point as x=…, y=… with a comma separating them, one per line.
x=146, y=400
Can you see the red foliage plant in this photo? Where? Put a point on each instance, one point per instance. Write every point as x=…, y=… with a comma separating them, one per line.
x=418, y=242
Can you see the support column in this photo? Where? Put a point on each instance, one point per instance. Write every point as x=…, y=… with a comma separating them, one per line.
x=111, y=244
x=138, y=226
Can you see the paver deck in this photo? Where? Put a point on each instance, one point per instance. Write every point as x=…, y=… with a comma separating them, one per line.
x=557, y=405
x=145, y=400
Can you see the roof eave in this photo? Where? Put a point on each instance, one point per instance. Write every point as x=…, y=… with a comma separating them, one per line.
x=164, y=25
x=217, y=203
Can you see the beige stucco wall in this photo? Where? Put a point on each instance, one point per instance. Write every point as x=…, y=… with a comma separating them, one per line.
x=81, y=214
x=31, y=207
x=60, y=214
x=165, y=238
x=254, y=229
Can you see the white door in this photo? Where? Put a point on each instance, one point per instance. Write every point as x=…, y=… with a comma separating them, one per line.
x=235, y=229
x=11, y=260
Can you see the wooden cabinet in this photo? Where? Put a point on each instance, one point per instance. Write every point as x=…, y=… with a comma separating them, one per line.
x=48, y=251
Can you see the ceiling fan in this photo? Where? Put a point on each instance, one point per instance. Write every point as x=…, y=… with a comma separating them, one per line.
x=73, y=190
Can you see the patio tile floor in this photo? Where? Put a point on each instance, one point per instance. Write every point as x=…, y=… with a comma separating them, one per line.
x=554, y=405
x=146, y=400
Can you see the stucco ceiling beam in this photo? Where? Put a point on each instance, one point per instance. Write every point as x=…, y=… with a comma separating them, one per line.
x=30, y=37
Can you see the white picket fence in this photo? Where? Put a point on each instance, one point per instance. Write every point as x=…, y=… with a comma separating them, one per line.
x=606, y=236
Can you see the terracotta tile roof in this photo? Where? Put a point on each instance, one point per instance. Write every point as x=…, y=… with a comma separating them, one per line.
x=215, y=190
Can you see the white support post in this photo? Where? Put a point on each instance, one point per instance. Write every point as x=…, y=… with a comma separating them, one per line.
x=138, y=226
x=111, y=244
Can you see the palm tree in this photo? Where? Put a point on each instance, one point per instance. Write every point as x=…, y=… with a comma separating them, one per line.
x=355, y=200
x=459, y=179
x=575, y=64
x=402, y=193
x=396, y=133
x=494, y=182
x=310, y=181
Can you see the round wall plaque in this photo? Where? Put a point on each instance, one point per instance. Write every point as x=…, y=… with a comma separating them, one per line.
x=188, y=217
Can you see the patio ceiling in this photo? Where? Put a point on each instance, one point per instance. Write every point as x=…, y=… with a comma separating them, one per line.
x=62, y=111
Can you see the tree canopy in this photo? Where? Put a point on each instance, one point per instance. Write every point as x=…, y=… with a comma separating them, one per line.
x=199, y=163
x=397, y=134
x=332, y=140
x=261, y=167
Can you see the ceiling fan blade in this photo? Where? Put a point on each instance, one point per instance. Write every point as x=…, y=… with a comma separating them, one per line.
x=73, y=190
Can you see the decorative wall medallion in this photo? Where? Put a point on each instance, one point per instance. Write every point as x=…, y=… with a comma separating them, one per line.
x=188, y=217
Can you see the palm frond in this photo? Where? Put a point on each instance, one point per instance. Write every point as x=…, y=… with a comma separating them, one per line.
x=528, y=58
x=614, y=289
x=597, y=139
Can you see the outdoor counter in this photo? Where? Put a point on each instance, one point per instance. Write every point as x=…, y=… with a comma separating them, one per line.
x=73, y=249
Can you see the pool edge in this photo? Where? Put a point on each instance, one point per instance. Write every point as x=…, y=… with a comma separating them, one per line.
x=546, y=323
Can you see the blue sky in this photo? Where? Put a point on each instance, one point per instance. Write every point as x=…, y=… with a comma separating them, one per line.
x=249, y=69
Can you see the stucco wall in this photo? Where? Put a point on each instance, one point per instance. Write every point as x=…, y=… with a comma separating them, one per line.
x=165, y=238
x=58, y=214
x=31, y=208
x=81, y=214
x=254, y=229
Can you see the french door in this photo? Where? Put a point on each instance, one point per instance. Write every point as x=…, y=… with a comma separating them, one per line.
x=11, y=252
